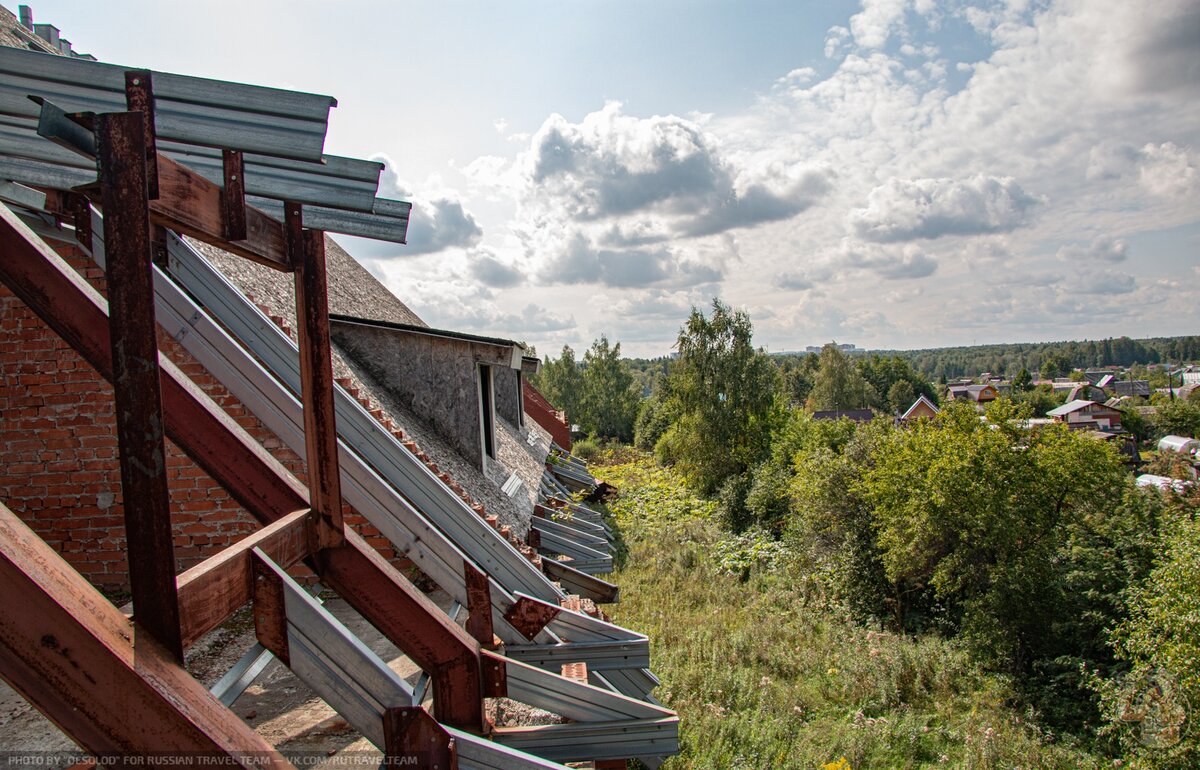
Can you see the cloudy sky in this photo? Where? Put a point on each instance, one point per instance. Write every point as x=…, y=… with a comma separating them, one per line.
x=891, y=173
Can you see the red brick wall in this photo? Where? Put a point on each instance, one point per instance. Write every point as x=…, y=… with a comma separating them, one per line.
x=58, y=452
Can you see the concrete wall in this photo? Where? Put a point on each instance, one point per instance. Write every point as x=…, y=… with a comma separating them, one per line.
x=437, y=378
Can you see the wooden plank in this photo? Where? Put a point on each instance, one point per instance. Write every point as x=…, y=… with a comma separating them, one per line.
x=121, y=153
x=190, y=204
x=212, y=590
x=306, y=248
x=70, y=653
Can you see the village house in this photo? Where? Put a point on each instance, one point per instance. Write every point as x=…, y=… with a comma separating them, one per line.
x=1087, y=415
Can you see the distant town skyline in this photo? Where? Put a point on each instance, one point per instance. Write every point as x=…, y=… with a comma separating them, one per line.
x=899, y=173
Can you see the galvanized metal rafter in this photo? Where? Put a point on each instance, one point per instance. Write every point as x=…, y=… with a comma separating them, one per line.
x=193, y=110
x=255, y=479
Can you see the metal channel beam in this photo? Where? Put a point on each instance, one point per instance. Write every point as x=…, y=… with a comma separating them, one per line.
x=388, y=220
x=574, y=700
x=475, y=753
x=49, y=286
x=583, y=558
x=70, y=653
x=600, y=656
x=486, y=548
x=336, y=664
x=215, y=588
x=339, y=182
x=332, y=203
x=583, y=742
x=580, y=583
x=281, y=412
x=211, y=113
x=572, y=534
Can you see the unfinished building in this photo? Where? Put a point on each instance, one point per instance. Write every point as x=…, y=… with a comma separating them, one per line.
x=181, y=417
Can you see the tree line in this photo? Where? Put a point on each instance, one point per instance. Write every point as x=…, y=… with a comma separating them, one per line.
x=1030, y=546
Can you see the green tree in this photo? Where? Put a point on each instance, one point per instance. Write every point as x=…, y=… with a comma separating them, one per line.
x=561, y=382
x=1160, y=639
x=610, y=394
x=655, y=415
x=725, y=393
x=838, y=384
x=1178, y=418
x=1022, y=382
x=901, y=396
x=980, y=513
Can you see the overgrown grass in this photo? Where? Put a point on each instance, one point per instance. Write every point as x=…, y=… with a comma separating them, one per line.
x=766, y=674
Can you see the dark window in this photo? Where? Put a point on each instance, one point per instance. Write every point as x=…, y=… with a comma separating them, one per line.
x=487, y=410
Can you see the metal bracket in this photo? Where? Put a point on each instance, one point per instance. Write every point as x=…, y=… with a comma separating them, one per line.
x=495, y=676
x=270, y=614
x=530, y=616
x=479, y=606
x=413, y=739
x=233, y=195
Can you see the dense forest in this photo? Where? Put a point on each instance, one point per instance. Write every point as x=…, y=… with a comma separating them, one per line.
x=1027, y=549
x=1007, y=359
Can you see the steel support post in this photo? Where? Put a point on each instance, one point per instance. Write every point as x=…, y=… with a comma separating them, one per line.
x=306, y=248
x=121, y=146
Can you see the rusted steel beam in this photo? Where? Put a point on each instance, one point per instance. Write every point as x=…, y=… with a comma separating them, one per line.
x=413, y=739
x=70, y=652
x=139, y=97
x=212, y=590
x=64, y=301
x=121, y=153
x=307, y=251
x=190, y=204
x=495, y=676
x=270, y=610
x=81, y=216
x=49, y=286
x=233, y=195
x=479, y=606
x=530, y=616
x=414, y=624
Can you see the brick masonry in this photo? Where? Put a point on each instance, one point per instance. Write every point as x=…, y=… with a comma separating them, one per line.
x=58, y=452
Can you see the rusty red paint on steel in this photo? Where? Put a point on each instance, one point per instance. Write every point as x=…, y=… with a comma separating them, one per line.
x=233, y=196
x=495, y=675
x=139, y=98
x=413, y=739
x=306, y=249
x=139, y=417
x=270, y=614
x=218, y=445
x=479, y=605
x=49, y=287
x=415, y=624
x=70, y=652
x=530, y=616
